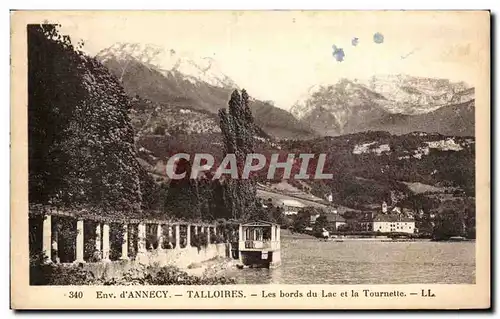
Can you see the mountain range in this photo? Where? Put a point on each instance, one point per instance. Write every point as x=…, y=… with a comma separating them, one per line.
x=397, y=104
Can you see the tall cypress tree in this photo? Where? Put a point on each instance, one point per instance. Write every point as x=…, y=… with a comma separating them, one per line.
x=237, y=126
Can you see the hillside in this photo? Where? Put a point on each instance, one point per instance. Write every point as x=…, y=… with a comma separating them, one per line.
x=162, y=130
x=457, y=119
x=368, y=166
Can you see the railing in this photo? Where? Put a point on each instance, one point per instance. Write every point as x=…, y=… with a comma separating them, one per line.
x=259, y=245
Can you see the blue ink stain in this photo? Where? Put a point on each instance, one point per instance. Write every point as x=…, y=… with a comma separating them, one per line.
x=378, y=37
x=338, y=53
x=355, y=41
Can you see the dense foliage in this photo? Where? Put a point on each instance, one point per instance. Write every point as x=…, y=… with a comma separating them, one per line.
x=368, y=177
x=450, y=222
x=81, y=144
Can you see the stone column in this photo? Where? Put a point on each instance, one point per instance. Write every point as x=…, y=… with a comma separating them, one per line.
x=278, y=233
x=240, y=233
x=159, y=234
x=125, y=242
x=141, y=257
x=273, y=233
x=98, y=237
x=141, y=238
x=105, y=242
x=177, y=236
x=80, y=241
x=54, y=242
x=196, y=230
x=208, y=234
x=188, y=235
x=170, y=236
x=47, y=237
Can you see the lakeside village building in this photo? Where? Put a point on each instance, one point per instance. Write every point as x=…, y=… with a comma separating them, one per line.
x=393, y=221
x=384, y=221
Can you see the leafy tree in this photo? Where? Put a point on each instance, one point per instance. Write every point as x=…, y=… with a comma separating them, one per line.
x=182, y=199
x=278, y=215
x=320, y=223
x=81, y=144
x=302, y=220
x=422, y=205
x=153, y=194
x=449, y=223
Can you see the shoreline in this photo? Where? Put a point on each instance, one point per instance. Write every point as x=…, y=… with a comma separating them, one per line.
x=215, y=267
x=285, y=233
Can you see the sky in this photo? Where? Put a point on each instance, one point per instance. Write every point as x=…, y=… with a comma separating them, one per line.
x=279, y=55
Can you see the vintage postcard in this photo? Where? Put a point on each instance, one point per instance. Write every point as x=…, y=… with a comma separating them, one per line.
x=250, y=160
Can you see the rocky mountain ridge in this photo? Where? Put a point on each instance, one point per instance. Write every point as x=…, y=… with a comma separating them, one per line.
x=351, y=106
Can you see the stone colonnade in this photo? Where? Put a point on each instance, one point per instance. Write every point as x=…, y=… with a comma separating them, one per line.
x=164, y=238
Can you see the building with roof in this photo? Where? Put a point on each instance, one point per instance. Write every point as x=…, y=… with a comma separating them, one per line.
x=360, y=221
x=393, y=223
x=313, y=218
x=335, y=221
x=291, y=206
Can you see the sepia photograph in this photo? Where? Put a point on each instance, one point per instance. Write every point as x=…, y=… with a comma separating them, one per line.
x=250, y=148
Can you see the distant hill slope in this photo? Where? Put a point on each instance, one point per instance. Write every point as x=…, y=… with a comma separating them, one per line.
x=397, y=104
x=457, y=119
x=367, y=166
x=162, y=130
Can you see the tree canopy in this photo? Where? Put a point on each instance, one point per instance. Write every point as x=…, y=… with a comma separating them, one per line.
x=81, y=143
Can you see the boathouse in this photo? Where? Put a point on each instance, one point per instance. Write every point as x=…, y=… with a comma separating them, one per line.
x=259, y=244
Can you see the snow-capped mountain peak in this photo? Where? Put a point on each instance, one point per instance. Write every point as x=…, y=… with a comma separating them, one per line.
x=167, y=61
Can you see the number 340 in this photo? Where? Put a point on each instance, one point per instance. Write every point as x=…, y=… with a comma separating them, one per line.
x=76, y=294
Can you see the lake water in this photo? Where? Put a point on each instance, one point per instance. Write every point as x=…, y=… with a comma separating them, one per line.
x=311, y=261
